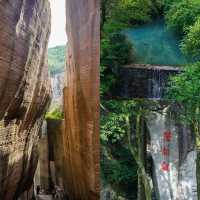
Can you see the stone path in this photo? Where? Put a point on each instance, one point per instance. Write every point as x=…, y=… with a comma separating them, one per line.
x=44, y=197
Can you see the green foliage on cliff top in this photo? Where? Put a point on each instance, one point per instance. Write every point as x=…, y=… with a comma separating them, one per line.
x=191, y=43
x=116, y=50
x=56, y=59
x=55, y=113
x=117, y=14
x=182, y=15
x=184, y=90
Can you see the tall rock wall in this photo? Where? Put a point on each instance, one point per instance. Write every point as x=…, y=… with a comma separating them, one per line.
x=174, y=157
x=81, y=100
x=24, y=90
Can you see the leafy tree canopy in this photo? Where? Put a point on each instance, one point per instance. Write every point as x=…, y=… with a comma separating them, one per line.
x=191, y=43
x=184, y=90
x=182, y=15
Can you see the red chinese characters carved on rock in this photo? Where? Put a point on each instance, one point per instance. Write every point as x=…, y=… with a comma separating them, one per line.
x=165, y=151
x=167, y=136
x=165, y=166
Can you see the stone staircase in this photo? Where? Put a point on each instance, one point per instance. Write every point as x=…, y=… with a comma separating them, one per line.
x=44, y=197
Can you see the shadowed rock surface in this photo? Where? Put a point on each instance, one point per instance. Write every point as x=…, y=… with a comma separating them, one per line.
x=24, y=90
x=81, y=100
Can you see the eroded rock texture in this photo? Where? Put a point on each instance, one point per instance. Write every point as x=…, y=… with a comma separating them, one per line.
x=81, y=100
x=24, y=90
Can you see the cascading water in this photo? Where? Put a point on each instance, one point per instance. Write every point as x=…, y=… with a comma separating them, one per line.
x=143, y=81
x=157, y=85
x=174, y=171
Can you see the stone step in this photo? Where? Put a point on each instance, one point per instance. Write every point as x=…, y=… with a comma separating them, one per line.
x=44, y=197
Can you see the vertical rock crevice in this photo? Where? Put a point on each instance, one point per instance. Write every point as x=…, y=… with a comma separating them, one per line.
x=81, y=100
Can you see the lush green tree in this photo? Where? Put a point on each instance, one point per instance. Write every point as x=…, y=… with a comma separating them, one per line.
x=126, y=11
x=118, y=14
x=117, y=128
x=182, y=15
x=168, y=4
x=116, y=51
x=184, y=90
x=191, y=43
x=118, y=166
x=119, y=170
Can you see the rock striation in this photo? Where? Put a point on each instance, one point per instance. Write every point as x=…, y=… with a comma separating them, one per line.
x=81, y=100
x=24, y=90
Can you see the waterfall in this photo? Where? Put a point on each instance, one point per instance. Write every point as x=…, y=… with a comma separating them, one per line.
x=174, y=178
x=157, y=83
x=143, y=81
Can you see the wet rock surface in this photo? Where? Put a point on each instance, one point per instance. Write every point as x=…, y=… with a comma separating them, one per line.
x=24, y=90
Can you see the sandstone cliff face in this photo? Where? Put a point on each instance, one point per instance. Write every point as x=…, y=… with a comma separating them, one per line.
x=24, y=90
x=81, y=100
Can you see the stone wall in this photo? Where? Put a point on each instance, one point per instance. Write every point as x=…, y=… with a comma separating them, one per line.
x=172, y=148
x=81, y=100
x=142, y=81
x=24, y=90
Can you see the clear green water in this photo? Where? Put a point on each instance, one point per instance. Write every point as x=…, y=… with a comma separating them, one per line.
x=154, y=44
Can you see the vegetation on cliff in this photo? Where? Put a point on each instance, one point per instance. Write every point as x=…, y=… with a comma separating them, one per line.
x=55, y=113
x=183, y=19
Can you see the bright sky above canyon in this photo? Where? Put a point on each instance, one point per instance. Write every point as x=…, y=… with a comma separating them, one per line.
x=58, y=34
